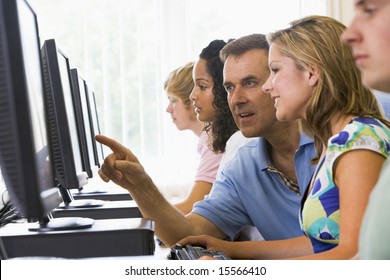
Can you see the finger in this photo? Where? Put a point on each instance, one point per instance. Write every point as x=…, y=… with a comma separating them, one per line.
x=192, y=240
x=103, y=176
x=207, y=258
x=120, y=151
x=108, y=170
x=111, y=143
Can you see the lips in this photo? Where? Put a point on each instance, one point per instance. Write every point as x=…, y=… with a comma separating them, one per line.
x=276, y=99
x=245, y=115
x=196, y=108
x=360, y=58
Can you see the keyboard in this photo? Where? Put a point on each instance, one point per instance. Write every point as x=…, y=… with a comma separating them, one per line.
x=190, y=252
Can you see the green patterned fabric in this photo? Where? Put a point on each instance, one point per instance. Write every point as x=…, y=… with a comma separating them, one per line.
x=320, y=214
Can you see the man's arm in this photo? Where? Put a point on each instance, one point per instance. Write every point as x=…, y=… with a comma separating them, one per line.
x=123, y=168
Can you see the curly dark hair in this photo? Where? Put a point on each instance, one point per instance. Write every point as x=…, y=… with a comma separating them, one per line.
x=223, y=126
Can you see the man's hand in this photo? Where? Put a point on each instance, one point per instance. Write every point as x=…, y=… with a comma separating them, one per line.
x=122, y=166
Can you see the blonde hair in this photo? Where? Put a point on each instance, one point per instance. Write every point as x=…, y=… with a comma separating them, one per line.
x=179, y=83
x=315, y=41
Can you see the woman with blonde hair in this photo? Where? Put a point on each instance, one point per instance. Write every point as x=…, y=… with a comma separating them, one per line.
x=314, y=78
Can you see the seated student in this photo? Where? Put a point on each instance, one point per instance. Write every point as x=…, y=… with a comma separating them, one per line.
x=178, y=87
x=369, y=37
x=210, y=105
x=209, y=98
x=260, y=186
x=314, y=78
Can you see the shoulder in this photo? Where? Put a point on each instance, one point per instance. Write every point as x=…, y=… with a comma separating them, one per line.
x=361, y=133
x=253, y=151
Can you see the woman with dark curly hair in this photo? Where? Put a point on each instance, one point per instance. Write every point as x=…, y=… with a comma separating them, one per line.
x=178, y=87
x=210, y=101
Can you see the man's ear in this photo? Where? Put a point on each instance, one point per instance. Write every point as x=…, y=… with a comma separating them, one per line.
x=314, y=75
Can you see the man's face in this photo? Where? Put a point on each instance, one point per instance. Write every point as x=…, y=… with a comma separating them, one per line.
x=253, y=109
x=369, y=37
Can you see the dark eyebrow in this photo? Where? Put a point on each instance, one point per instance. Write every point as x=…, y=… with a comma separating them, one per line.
x=201, y=79
x=359, y=2
x=250, y=77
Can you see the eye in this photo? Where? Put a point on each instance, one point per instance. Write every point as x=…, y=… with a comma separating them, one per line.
x=368, y=9
x=172, y=99
x=274, y=69
x=228, y=88
x=250, y=83
x=203, y=88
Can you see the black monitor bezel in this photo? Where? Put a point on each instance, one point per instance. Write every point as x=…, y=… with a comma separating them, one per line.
x=89, y=167
x=18, y=155
x=67, y=174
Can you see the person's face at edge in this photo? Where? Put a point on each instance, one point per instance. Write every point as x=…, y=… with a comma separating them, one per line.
x=251, y=107
x=289, y=86
x=182, y=117
x=202, y=95
x=369, y=36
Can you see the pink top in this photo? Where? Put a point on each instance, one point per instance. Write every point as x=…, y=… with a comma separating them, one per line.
x=209, y=161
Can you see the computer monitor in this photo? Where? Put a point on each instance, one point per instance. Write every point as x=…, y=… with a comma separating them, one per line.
x=95, y=128
x=68, y=159
x=26, y=156
x=89, y=127
x=83, y=123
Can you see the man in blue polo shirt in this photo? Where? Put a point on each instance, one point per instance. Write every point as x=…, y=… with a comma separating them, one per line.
x=261, y=186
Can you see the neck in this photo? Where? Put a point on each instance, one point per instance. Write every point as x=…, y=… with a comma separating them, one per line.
x=339, y=122
x=197, y=128
x=282, y=147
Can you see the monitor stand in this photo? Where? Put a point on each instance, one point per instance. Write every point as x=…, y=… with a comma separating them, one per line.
x=105, y=238
x=96, y=188
x=66, y=223
x=70, y=202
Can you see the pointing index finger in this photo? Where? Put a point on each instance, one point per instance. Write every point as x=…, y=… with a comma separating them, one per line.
x=111, y=143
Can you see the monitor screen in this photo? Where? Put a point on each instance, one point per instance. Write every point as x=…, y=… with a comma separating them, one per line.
x=63, y=127
x=83, y=123
x=95, y=126
x=26, y=156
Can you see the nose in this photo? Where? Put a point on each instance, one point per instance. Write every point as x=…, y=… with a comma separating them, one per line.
x=169, y=108
x=267, y=86
x=237, y=96
x=193, y=94
x=351, y=35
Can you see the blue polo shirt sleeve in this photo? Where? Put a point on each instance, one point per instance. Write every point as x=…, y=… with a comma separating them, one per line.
x=223, y=206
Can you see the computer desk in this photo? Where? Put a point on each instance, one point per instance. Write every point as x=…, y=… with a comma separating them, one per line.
x=160, y=253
